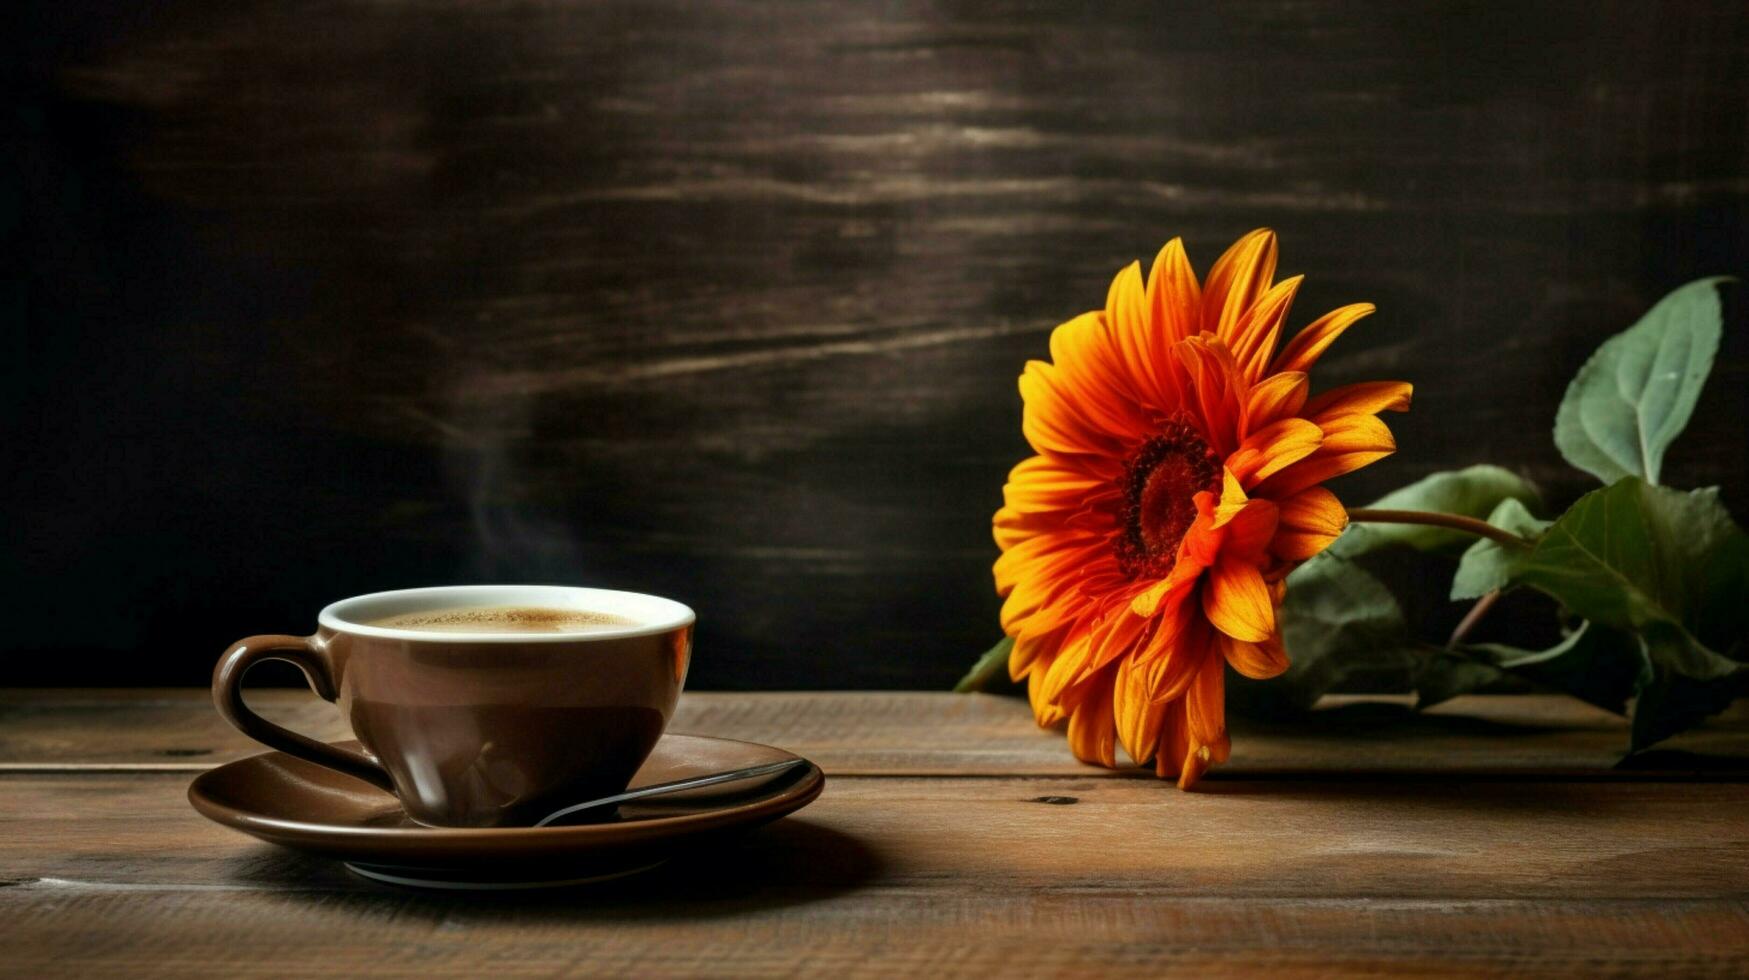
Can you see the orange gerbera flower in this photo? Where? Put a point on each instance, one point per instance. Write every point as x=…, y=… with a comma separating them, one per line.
x=1177, y=482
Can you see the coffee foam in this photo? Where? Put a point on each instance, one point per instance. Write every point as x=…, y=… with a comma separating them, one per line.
x=505, y=619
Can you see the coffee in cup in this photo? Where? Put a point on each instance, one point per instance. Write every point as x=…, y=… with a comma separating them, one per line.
x=505, y=619
x=482, y=706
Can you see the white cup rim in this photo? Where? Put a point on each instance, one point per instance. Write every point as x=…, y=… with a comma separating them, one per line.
x=654, y=614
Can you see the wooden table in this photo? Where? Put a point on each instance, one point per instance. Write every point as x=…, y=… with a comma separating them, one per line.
x=1491, y=835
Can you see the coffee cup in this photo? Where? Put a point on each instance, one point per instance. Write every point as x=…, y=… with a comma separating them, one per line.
x=482, y=705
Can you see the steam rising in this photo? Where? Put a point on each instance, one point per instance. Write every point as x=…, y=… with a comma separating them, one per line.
x=518, y=537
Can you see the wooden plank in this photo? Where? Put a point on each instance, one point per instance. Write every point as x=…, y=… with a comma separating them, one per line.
x=922, y=733
x=113, y=873
x=1433, y=837
x=898, y=933
x=1430, y=837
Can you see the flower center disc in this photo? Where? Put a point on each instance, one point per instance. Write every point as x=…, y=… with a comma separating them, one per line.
x=1160, y=483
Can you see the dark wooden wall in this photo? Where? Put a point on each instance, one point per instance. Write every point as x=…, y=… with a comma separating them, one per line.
x=726, y=300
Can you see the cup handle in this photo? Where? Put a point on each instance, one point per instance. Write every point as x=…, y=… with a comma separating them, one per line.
x=301, y=652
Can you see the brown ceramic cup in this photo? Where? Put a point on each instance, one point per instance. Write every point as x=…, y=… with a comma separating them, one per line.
x=480, y=729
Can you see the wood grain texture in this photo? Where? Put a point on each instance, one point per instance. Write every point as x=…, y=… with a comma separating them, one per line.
x=986, y=868
x=1439, y=836
x=908, y=876
x=726, y=299
x=916, y=734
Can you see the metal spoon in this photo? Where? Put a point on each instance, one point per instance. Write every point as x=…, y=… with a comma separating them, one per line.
x=691, y=782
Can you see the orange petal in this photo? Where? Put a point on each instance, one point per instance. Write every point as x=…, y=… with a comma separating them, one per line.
x=1259, y=661
x=1097, y=516
x=1172, y=651
x=1044, y=483
x=1236, y=600
x=1069, y=681
x=1058, y=419
x=1124, y=301
x=1062, y=608
x=1116, y=636
x=1147, y=601
x=1215, y=384
x=1314, y=509
x=1173, y=617
x=1069, y=665
x=1096, y=511
x=1233, y=498
x=1050, y=420
x=1196, y=763
x=1275, y=397
x=1315, y=470
x=1260, y=328
x=1044, y=712
x=1092, y=729
x=1026, y=653
x=1350, y=442
x=1365, y=398
x=1205, y=718
x=1202, y=542
x=1137, y=712
x=1174, y=747
x=1356, y=434
x=1140, y=339
x=1294, y=546
x=1082, y=688
x=1235, y=281
x=1173, y=296
x=1020, y=611
x=1094, y=373
x=1310, y=521
x=1206, y=702
x=1041, y=555
x=1010, y=527
x=1303, y=351
x=1250, y=531
x=1272, y=448
x=1151, y=681
x=1147, y=686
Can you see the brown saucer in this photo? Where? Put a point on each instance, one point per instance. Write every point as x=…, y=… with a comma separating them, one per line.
x=303, y=806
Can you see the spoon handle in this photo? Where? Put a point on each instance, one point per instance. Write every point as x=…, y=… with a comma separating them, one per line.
x=691, y=782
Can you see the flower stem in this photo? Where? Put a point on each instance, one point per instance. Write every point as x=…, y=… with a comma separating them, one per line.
x=1471, y=618
x=1457, y=522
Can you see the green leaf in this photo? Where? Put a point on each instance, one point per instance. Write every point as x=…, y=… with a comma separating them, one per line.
x=1593, y=663
x=1487, y=565
x=1633, y=554
x=991, y=666
x=1339, y=625
x=1669, y=566
x=1683, y=683
x=1635, y=394
x=1447, y=674
x=1473, y=491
